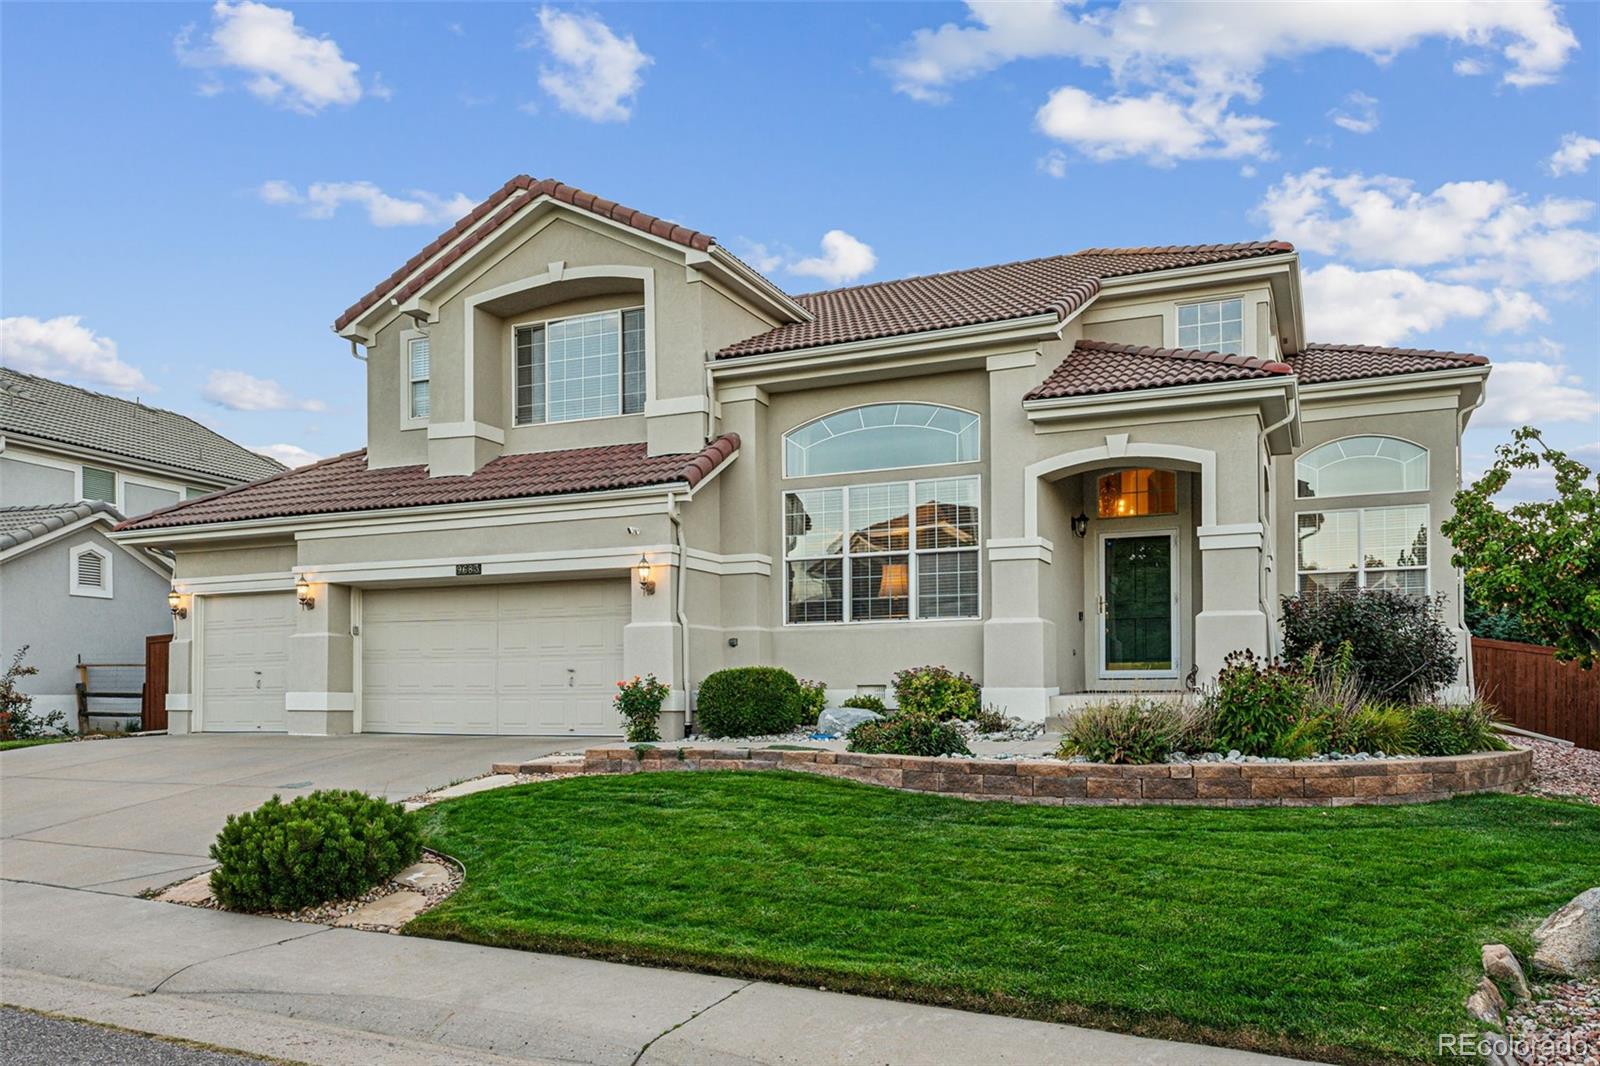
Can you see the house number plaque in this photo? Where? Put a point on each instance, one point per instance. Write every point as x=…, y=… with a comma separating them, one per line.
x=469, y=570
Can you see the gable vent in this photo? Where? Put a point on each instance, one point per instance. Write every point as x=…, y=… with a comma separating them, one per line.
x=91, y=571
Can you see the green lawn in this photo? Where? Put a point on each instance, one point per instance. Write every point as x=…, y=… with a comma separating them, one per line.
x=1347, y=934
x=7, y=745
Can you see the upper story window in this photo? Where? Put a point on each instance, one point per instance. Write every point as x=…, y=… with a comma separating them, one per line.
x=99, y=484
x=590, y=366
x=1213, y=326
x=1134, y=493
x=419, y=369
x=90, y=572
x=1359, y=466
x=881, y=436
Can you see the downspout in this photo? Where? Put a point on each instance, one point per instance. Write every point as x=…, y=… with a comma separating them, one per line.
x=1292, y=405
x=354, y=344
x=1461, y=576
x=678, y=594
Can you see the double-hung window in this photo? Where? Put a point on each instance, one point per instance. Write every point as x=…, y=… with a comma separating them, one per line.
x=1367, y=548
x=589, y=366
x=1213, y=326
x=99, y=484
x=891, y=551
x=419, y=370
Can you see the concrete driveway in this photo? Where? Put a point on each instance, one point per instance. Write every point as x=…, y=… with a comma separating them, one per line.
x=124, y=815
x=85, y=826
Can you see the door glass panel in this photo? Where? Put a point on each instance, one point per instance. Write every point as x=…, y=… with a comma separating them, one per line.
x=1138, y=582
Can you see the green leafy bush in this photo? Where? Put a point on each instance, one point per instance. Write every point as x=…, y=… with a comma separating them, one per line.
x=747, y=701
x=1135, y=730
x=1400, y=646
x=639, y=702
x=990, y=720
x=17, y=720
x=813, y=701
x=936, y=691
x=1460, y=729
x=908, y=734
x=325, y=846
x=1256, y=703
x=862, y=702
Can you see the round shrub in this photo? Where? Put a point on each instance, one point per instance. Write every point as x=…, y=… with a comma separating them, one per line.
x=1256, y=703
x=748, y=701
x=937, y=691
x=325, y=846
x=863, y=702
x=1400, y=647
x=813, y=701
x=908, y=734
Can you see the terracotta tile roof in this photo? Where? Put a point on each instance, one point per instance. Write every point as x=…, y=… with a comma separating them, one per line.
x=499, y=208
x=1319, y=363
x=1096, y=367
x=344, y=483
x=1058, y=285
x=53, y=410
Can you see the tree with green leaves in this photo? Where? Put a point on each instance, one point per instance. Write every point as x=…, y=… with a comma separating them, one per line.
x=1539, y=560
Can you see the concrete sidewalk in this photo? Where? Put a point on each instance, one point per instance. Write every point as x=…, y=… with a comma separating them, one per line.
x=85, y=826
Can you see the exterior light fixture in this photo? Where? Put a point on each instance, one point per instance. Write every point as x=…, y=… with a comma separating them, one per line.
x=175, y=601
x=647, y=581
x=303, y=594
x=1080, y=525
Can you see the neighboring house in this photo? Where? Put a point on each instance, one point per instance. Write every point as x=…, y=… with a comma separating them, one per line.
x=72, y=463
x=1087, y=472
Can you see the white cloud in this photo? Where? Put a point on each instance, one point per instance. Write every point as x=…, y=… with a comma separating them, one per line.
x=594, y=72
x=1470, y=230
x=1527, y=393
x=1053, y=163
x=1573, y=156
x=1156, y=127
x=1469, y=68
x=290, y=455
x=1247, y=171
x=1592, y=448
x=758, y=255
x=238, y=391
x=322, y=199
x=843, y=259
x=1359, y=115
x=1383, y=306
x=64, y=348
x=1539, y=348
x=279, y=61
x=1200, y=56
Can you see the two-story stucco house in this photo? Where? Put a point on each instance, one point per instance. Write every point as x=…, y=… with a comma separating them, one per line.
x=72, y=463
x=601, y=445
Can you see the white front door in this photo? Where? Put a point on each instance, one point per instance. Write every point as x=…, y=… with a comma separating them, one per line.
x=1138, y=605
x=245, y=671
x=532, y=659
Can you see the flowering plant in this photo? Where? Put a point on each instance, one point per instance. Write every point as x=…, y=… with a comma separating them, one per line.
x=639, y=702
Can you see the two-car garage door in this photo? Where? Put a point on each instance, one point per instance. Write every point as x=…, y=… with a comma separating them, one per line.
x=540, y=658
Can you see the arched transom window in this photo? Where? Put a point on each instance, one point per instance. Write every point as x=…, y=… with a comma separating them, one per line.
x=881, y=436
x=1359, y=466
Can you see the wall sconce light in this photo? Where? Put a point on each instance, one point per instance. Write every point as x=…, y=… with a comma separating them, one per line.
x=1080, y=525
x=175, y=601
x=647, y=581
x=303, y=594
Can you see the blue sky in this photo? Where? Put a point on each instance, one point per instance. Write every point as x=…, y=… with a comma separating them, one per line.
x=192, y=193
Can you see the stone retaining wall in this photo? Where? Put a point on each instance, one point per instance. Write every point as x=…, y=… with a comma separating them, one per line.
x=1053, y=782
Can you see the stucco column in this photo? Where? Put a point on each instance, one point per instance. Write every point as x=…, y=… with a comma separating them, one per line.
x=1233, y=614
x=321, y=697
x=650, y=642
x=749, y=494
x=180, y=664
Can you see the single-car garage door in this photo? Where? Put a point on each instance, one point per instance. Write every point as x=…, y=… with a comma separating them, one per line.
x=245, y=644
x=540, y=658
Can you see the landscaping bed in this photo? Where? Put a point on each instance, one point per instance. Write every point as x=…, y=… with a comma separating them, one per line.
x=1339, y=934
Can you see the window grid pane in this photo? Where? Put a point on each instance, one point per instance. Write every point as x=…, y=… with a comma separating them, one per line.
x=1359, y=466
x=583, y=367
x=99, y=484
x=947, y=584
x=880, y=588
x=1375, y=548
x=1215, y=326
x=529, y=370
x=632, y=362
x=881, y=437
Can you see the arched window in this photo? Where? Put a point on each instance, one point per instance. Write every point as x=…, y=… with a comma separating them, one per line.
x=1360, y=466
x=881, y=436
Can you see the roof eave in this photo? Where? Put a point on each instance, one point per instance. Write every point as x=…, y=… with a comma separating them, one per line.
x=170, y=470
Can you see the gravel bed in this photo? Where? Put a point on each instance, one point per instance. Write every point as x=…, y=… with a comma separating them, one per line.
x=1560, y=770
x=1559, y=1027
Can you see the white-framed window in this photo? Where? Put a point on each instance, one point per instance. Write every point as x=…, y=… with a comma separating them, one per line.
x=881, y=436
x=89, y=572
x=589, y=366
x=419, y=374
x=893, y=551
x=1365, y=548
x=1212, y=326
x=98, y=484
x=1360, y=466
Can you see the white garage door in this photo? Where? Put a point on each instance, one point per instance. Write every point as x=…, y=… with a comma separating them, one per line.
x=540, y=658
x=245, y=644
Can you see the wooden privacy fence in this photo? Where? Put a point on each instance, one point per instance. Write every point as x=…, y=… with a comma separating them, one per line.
x=1533, y=691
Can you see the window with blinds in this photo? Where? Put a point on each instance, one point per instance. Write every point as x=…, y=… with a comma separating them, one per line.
x=99, y=484
x=590, y=366
x=420, y=368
